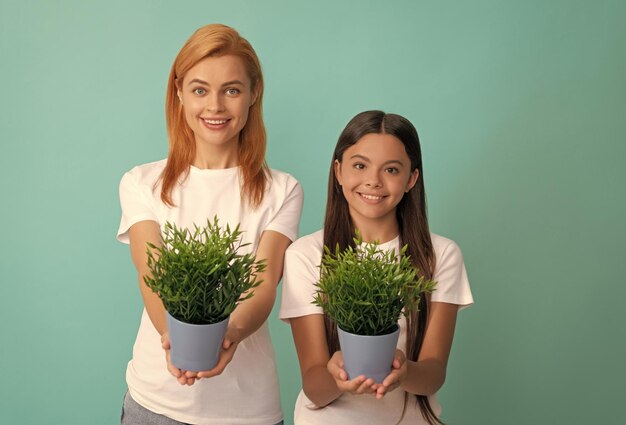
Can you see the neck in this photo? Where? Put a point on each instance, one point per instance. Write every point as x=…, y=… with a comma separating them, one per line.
x=216, y=157
x=377, y=230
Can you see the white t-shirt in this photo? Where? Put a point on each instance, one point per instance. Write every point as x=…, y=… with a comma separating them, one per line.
x=247, y=391
x=302, y=271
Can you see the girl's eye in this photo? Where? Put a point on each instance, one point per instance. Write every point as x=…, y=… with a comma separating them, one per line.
x=359, y=166
x=392, y=170
x=232, y=92
x=199, y=91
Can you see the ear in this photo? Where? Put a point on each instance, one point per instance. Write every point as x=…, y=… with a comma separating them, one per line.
x=178, y=83
x=338, y=176
x=255, y=95
x=412, y=180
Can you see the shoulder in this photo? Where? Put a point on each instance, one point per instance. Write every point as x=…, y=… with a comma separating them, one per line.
x=308, y=247
x=146, y=174
x=313, y=241
x=301, y=272
x=279, y=180
x=450, y=274
x=444, y=247
x=280, y=175
x=448, y=255
x=284, y=190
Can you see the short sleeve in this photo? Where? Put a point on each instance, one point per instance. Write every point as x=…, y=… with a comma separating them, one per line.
x=301, y=272
x=287, y=219
x=136, y=202
x=451, y=277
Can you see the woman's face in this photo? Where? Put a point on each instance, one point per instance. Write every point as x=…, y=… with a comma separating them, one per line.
x=374, y=175
x=216, y=94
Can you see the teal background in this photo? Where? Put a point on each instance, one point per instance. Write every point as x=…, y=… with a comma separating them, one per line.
x=520, y=108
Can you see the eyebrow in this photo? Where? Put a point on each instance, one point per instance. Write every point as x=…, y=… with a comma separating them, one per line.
x=227, y=83
x=364, y=158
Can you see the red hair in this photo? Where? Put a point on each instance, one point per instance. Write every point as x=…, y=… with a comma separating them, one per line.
x=215, y=40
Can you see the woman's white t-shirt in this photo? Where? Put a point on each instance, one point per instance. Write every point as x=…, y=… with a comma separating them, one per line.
x=247, y=391
x=302, y=271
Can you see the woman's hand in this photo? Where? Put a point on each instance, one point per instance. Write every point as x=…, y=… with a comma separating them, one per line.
x=183, y=377
x=396, y=376
x=358, y=385
x=188, y=377
x=229, y=345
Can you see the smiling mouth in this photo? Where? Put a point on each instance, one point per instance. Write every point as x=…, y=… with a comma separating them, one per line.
x=214, y=122
x=371, y=197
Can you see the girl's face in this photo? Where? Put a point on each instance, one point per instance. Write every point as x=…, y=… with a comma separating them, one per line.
x=216, y=94
x=374, y=175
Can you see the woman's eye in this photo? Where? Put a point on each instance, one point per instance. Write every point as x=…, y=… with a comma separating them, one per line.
x=359, y=166
x=232, y=92
x=392, y=170
x=199, y=91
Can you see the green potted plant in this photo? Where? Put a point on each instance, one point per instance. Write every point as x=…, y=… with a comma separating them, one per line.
x=365, y=291
x=200, y=276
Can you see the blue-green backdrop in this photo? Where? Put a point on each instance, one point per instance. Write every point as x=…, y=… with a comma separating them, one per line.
x=521, y=110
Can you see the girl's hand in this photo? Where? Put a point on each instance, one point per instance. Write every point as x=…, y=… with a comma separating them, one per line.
x=182, y=376
x=395, y=377
x=358, y=385
x=226, y=354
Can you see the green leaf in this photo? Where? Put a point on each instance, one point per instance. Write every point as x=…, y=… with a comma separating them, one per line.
x=366, y=290
x=199, y=274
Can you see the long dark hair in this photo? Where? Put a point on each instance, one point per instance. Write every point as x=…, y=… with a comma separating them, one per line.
x=412, y=222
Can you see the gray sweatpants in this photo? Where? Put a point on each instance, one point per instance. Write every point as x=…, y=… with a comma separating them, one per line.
x=135, y=414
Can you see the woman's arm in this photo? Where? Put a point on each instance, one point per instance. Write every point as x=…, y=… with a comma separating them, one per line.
x=427, y=375
x=140, y=234
x=252, y=313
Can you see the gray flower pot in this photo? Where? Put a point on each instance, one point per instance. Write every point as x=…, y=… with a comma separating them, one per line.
x=195, y=347
x=369, y=355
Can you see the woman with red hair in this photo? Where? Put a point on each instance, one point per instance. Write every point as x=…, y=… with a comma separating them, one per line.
x=215, y=166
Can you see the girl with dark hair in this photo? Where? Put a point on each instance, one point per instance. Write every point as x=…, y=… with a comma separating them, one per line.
x=215, y=166
x=376, y=187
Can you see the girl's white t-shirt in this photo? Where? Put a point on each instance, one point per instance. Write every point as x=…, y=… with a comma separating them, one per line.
x=247, y=391
x=302, y=271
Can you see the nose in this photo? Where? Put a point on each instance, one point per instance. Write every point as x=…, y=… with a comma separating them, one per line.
x=373, y=179
x=215, y=102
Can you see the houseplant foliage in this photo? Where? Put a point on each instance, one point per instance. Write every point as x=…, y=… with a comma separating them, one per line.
x=199, y=275
x=365, y=290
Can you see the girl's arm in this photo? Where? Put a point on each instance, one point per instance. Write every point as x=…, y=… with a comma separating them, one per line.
x=309, y=337
x=252, y=313
x=319, y=385
x=427, y=375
